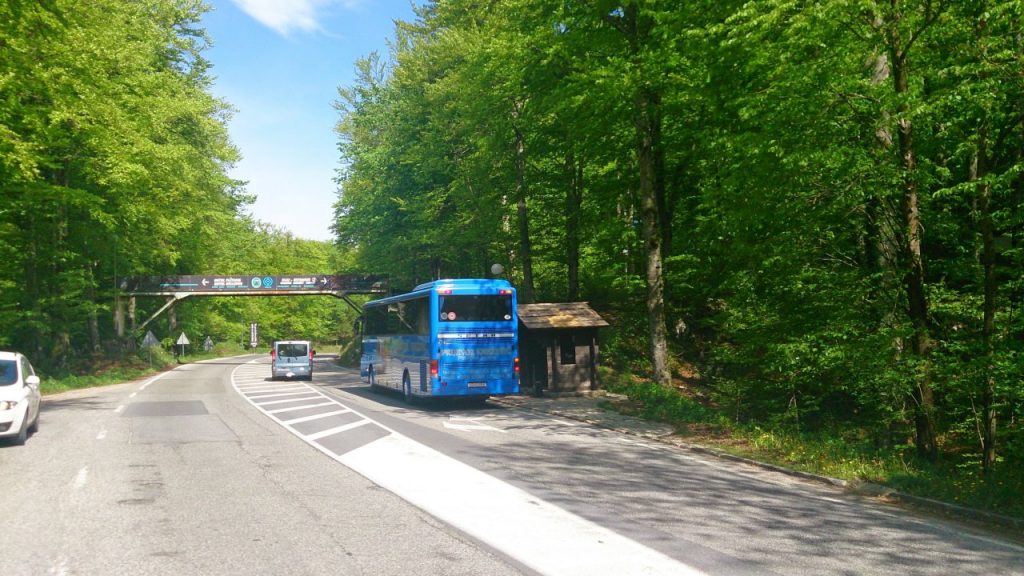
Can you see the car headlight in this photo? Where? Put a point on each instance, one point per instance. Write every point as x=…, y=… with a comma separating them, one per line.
x=8, y=404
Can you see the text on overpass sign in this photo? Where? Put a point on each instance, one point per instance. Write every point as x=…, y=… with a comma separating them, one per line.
x=243, y=285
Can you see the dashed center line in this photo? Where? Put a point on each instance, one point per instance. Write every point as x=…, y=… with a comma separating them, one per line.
x=81, y=478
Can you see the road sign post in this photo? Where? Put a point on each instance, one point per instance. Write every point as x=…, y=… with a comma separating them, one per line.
x=149, y=342
x=183, y=341
x=253, y=335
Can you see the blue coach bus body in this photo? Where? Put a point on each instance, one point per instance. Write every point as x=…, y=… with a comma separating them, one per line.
x=447, y=338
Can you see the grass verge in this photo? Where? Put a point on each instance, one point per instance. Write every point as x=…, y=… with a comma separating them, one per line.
x=955, y=479
x=104, y=372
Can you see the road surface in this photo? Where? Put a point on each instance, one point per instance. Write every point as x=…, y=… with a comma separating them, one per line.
x=214, y=469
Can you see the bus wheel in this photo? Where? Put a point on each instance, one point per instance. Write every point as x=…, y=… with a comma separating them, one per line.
x=407, y=389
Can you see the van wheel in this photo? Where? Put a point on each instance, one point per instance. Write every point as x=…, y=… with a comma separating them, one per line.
x=407, y=389
x=35, y=423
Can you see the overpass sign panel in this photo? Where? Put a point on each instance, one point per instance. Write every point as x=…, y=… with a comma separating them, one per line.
x=259, y=284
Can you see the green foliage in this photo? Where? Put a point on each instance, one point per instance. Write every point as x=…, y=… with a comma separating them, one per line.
x=784, y=147
x=114, y=161
x=657, y=402
x=782, y=178
x=847, y=452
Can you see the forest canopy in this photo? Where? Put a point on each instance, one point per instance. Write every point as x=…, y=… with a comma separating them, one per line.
x=114, y=160
x=810, y=216
x=818, y=207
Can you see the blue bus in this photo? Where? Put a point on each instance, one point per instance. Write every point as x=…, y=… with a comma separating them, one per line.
x=446, y=338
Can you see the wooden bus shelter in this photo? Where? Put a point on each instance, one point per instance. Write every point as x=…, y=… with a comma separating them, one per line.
x=558, y=348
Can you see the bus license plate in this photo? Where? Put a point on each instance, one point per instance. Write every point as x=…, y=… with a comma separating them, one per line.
x=478, y=384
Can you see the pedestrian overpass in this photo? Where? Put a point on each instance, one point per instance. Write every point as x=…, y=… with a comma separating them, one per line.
x=175, y=288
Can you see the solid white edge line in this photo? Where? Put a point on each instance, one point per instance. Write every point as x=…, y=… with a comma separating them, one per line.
x=593, y=550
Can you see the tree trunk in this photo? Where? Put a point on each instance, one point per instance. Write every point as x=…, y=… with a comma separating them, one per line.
x=666, y=204
x=573, y=202
x=526, y=290
x=988, y=262
x=94, y=319
x=913, y=264
x=646, y=118
x=636, y=28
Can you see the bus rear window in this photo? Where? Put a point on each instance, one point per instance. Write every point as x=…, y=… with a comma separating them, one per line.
x=476, y=308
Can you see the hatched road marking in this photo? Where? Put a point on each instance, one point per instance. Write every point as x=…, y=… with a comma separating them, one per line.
x=543, y=536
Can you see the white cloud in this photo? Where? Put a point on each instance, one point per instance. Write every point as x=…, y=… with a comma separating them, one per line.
x=284, y=16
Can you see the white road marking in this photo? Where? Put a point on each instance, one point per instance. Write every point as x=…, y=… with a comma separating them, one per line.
x=263, y=387
x=81, y=478
x=313, y=396
x=336, y=430
x=543, y=536
x=278, y=394
x=537, y=533
x=119, y=409
x=315, y=417
x=150, y=381
x=102, y=435
x=327, y=403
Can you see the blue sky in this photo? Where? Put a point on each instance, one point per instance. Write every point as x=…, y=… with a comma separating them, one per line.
x=279, y=63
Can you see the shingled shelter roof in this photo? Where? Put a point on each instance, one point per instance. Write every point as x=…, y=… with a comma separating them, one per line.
x=559, y=315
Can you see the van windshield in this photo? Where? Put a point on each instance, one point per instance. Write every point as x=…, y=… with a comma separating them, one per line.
x=291, y=350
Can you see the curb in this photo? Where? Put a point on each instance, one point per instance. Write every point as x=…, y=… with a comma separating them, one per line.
x=871, y=489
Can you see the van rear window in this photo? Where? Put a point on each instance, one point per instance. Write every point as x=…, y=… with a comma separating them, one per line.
x=292, y=350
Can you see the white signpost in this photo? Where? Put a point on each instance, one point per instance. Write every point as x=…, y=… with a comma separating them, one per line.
x=253, y=334
x=182, y=341
x=150, y=342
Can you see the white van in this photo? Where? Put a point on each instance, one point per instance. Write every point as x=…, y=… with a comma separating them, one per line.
x=291, y=359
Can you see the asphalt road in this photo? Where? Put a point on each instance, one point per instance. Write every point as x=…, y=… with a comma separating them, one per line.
x=213, y=469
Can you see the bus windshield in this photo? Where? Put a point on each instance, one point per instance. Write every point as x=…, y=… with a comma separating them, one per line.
x=476, y=308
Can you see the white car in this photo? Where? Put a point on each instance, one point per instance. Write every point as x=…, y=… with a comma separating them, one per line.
x=19, y=397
